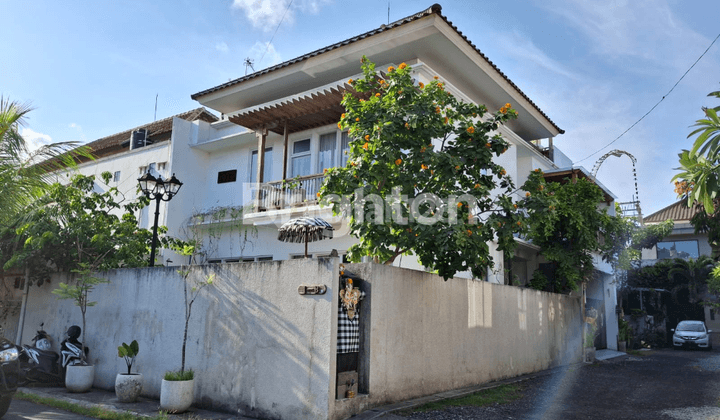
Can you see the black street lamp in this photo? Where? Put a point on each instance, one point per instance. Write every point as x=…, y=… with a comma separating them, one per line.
x=157, y=189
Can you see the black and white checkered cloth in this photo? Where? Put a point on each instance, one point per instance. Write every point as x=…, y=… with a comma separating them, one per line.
x=348, y=338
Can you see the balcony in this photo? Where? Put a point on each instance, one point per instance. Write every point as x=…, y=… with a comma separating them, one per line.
x=273, y=196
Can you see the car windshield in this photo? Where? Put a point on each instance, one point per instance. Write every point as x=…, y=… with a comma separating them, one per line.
x=691, y=327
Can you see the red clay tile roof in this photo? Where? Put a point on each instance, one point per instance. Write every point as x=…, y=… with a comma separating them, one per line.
x=678, y=212
x=434, y=9
x=101, y=146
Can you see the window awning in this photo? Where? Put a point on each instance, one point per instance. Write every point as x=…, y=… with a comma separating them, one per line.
x=300, y=112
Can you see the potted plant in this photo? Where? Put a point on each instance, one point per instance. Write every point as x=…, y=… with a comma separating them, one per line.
x=589, y=351
x=176, y=390
x=80, y=377
x=623, y=334
x=128, y=385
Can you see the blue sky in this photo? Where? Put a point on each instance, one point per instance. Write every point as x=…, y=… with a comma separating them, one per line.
x=92, y=69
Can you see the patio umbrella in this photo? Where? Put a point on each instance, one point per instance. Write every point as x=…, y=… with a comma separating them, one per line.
x=305, y=229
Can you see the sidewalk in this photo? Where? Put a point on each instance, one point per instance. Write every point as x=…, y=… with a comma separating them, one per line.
x=145, y=407
x=107, y=400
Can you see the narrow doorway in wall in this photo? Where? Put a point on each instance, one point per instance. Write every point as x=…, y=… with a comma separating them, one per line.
x=353, y=339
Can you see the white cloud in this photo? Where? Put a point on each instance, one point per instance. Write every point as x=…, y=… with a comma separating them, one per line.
x=523, y=49
x=34, y=140
x=266, y=14
x=222, y=47
x=267, y=52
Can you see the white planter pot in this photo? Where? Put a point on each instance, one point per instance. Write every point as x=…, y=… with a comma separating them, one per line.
x=589, y=355
x=79, y=378
x=176, y=396
x=128, y=387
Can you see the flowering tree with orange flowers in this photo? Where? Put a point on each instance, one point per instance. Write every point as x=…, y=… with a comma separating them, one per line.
x=420, y=177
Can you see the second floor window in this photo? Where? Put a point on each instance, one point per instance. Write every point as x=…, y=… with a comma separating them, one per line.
x=301, y=158
x=677, y=249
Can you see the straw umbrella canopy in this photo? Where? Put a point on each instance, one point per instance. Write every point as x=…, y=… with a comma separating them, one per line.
x=305, y=229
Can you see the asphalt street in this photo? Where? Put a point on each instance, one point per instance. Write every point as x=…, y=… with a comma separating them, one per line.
x=660, y=384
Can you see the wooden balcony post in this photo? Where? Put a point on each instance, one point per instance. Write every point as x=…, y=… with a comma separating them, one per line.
x=286, y=153
x=261, y=135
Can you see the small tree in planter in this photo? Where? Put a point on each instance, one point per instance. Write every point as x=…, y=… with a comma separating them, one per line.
x=176, y=392
x=128, y=386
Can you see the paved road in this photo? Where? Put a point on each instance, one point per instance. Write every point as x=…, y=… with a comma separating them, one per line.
x=665, y=384
x=25, y=410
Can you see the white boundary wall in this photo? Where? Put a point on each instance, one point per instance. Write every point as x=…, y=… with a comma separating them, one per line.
x=261, y=349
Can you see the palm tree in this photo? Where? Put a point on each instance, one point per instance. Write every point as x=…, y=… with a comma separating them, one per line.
x=690, y=275
x=25, y=173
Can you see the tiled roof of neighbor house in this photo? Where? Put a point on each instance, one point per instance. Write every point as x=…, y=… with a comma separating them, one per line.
x=100, y=146
x=678, y=211
x=434, y=9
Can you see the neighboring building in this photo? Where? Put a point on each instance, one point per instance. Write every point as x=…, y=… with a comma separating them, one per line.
x=684, y=243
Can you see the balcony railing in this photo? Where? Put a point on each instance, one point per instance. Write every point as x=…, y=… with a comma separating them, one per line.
x=274, y=196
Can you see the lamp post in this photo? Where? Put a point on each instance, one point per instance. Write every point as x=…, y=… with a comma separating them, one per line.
x=157, y=189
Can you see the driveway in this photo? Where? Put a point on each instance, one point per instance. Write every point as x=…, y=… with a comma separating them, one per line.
x=662, y=384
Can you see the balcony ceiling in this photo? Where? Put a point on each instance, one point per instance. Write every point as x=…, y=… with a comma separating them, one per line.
x=300, y=112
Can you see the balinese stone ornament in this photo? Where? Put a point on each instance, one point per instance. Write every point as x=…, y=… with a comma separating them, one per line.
x=350, y=297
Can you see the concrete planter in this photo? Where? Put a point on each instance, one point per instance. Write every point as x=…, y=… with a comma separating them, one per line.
x=589, y=355
x=128, y=387
x=79, y=378
x=176, y=396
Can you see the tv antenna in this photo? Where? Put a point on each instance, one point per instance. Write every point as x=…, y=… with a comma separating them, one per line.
x=248, y=63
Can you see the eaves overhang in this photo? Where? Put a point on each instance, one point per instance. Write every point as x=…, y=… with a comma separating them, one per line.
x=427, y=36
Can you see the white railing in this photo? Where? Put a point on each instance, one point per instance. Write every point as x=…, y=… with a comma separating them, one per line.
x=297, y=192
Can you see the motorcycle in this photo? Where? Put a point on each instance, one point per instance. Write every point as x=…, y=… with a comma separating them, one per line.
x=41, y=364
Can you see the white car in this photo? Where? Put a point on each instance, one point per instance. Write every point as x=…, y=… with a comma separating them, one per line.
x=692, y=334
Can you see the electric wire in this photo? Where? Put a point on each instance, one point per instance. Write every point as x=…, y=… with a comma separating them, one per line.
x=267, y=46
x=654, y=106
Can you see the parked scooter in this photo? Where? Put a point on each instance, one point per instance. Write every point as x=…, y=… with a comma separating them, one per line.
x=39, y=363
x=71, y=348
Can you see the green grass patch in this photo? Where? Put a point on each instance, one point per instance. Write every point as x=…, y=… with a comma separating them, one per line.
x=502, y=394
x=176, y=375
x=94, y=412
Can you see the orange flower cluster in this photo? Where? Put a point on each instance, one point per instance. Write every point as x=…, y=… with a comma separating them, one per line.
x=402, y=66
x=422, y=149
x=683, y=187
x=351, y=81
x=391, y=69
x=377, y=95
x=515, y=206
x=505, y=109
x=459, y=205
x=527, y=194
x=502, y=172
x=407, y=126
x=365, y=146
x=399, y=161
x=437, y=109
x=421, y=84
x=469, y=232
x=318, y=195
x=435, y=77
x=340, y=126
x=343, y=115
x=471, y=130
x=457, y=167
x=445, y=120
x=477, y=185
x=357, y=119
x=424, y=166
x=488, y=145
x=367, y=136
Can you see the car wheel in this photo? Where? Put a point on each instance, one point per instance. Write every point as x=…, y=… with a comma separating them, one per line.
x=5, y=404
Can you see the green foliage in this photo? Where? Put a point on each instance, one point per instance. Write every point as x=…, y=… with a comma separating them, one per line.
x=686, y=280
x=75, y=226
x=413, y=139
x=624, y=330
x=565, y=222
x=591, y=333
x=539, y=280
x=129, y=352
x=698, y=179
x=96, y=412
x=179, y=375
x=79, y=292
x=24, y=174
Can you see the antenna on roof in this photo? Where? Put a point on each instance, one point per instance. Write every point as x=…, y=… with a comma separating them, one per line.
x=249, y=63
x=155, y=118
